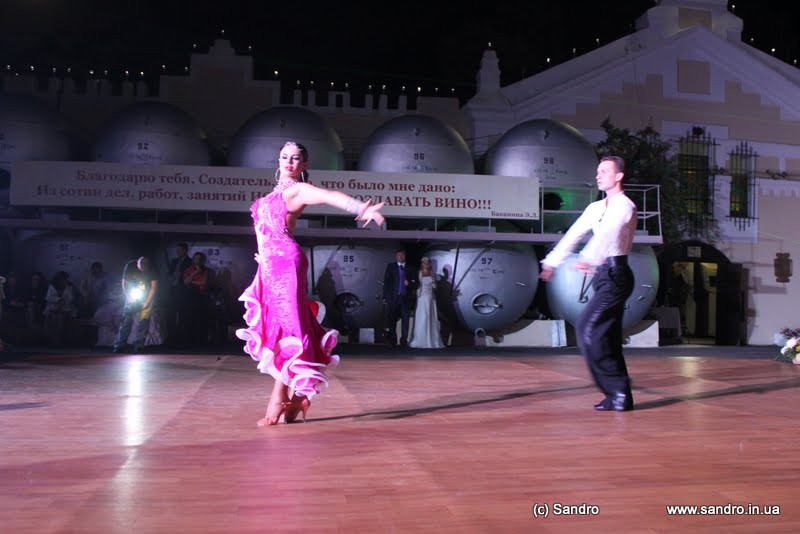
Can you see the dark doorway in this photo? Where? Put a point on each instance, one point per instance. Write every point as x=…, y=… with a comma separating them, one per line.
x=707, y=290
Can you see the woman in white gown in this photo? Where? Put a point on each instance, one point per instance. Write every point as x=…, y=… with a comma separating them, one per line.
x=426, y=333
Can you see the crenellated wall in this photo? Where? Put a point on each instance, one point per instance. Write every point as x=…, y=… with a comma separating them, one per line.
x=220, y=92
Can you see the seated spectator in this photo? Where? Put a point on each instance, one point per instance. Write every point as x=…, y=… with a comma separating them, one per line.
x=108, y=317
x=94, y=287
x=60, y=310
x=34, y=302
x=13, y=327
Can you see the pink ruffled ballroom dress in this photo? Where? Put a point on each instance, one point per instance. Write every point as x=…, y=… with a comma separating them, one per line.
x=282, y=332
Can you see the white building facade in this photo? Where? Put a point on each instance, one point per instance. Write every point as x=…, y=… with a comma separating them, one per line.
x=686, y=72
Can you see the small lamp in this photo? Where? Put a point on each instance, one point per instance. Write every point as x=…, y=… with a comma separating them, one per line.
x=783, y=267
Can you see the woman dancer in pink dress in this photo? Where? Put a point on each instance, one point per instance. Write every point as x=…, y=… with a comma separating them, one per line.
x=282, y=332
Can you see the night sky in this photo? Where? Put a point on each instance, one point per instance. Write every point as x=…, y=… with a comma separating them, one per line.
x=430, y=44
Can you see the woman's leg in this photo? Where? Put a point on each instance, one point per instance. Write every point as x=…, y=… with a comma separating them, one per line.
x=277, y=405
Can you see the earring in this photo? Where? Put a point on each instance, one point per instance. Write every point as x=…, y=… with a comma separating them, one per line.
x=304, y=176
x=277, y=174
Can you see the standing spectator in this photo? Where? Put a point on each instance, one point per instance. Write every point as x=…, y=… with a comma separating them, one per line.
x=196, y=279
x=139, y=285
x=427, y=333
x=225, y=305
x=60, y=309
x=399, y=289
x=175, y=296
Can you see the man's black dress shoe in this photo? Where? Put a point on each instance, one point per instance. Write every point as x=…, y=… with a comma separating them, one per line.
x=618, y=402
x=603, y=405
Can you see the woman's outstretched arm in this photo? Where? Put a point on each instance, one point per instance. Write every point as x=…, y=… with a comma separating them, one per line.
x=308, y=195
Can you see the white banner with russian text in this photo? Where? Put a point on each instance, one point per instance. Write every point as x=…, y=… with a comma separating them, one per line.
x=231, y=189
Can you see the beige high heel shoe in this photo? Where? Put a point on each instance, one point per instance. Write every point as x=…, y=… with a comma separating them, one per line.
x=297, y=406
x=276, y=418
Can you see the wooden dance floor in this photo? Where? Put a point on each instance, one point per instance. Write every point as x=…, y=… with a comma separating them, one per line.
x=453, y=441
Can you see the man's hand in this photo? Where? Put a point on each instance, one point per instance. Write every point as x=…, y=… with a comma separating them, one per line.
x=584, y=267
x=145, y=312
x=546, y=273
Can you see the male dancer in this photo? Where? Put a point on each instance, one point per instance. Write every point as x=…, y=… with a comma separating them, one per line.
x=612, y=221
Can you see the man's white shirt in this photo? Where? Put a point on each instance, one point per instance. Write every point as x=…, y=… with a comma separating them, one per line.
x=612, y=222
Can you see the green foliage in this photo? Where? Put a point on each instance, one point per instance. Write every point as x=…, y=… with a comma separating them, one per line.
x=651, y=160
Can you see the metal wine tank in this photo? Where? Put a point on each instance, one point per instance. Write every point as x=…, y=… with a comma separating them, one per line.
x=408, y=144
x=31, y=129
x=560, y=156
x=416, y=143
x=348, y=280
x=153, y=133
x=259, y=140
x=485, y=287
x=569, y=290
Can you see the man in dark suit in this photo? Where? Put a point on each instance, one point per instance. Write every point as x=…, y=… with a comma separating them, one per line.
x=399, y=293
x=177, y=298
